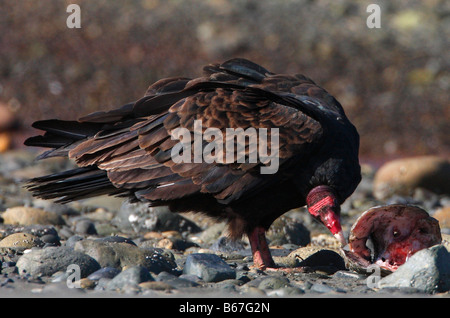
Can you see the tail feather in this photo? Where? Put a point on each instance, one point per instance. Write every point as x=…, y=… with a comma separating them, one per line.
x=74, y=184
x=72, y=130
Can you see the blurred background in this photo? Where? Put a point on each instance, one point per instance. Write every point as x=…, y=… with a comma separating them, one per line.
x=393, y=81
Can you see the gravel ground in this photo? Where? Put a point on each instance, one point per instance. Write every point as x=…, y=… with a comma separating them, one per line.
x=105, y=247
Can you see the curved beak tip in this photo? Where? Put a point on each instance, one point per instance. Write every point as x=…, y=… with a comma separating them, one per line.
x=341, y=239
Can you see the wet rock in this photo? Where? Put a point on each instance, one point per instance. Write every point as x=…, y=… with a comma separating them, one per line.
x=105, y=272
x=427, y=271
x=274, y=282
x=139, y=217
x=120, y=255
x=288, y=230
x=403, y=176
x=209, y=267
x=316, y=258
x=132, y=276
x=174, y=244
x=176, y=282
x=86, y=283
x=65, y=232
x=154, y=285
x=36, y=230
x=28, y=216
x=115, y=239
x=58, y=208
x=21, y=240
x=213, y=233
x=50, y=240
x=226, y=245
x=85, y=227
x=324, y=288
x=325, y=241
x=288, y=291
x=46, y=262
x=72, y=240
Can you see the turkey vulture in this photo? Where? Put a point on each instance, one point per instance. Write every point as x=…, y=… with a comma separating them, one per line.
x=128, y=151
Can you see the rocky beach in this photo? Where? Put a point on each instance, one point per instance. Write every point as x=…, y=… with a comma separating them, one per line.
x=107, y=247
x=391, y=77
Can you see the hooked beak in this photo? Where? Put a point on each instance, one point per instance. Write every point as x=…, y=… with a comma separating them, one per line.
x=323, y=205
x=340, y=237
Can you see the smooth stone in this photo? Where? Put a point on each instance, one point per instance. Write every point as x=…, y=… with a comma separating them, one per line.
x=428, y=271
x=321, y=288
x=21, y=240
x=154, y=285
x=285, y=292
x=274, y=282
x=85, y=227
x=120, y=255
x=315, y=257
x=46, y=262
x=71, y=241
x=106, y=272
x=403, y=176
x=29, y=216
x=176, y=282
x=115, y=239
x=226, y=245
x=139, y=217
x=212, y=233
x=174, y=244
x=286, y=230
x=86, y=283
x=209, y=267
x=51, y=239
x=131, y=276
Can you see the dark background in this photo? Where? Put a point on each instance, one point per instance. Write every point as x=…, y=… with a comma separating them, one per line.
x=393, y=82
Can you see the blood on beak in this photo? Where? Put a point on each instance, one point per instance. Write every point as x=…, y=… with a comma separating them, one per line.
x=323, y=205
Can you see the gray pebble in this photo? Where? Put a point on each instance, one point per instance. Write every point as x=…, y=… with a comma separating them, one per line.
x=51, y=239
x=65, y=232
x=47, y=261
x=72, y=240
x=427, y=270
x=85, y=227
x=106, y=272
x=286, y=291
x=132, y=276
x=138, y=217
x=321, y=288
x=184, y=281
x=226, y=245
x=119, y=255
x=209, y=267
x=115, y=239
x=274, y=282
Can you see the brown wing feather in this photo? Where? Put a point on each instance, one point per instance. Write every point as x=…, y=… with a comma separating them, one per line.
x=135, y=144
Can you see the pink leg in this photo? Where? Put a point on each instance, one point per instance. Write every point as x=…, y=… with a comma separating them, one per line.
x=260, y=250
x=262, y=258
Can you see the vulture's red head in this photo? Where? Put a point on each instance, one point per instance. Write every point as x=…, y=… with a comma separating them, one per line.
x=324, y=206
